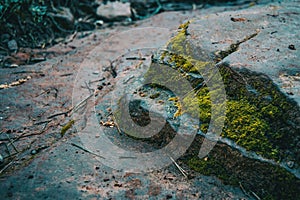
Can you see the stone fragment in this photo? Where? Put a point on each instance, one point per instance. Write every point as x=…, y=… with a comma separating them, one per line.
x=114, y=11
x=12, y=45
x=292, y=47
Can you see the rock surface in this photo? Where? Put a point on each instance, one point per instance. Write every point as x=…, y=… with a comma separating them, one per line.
x=267, y=52
x=59, y=168
x=257, y=41
x=114, y=11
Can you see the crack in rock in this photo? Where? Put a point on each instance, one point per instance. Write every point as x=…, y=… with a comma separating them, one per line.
x=220, y=55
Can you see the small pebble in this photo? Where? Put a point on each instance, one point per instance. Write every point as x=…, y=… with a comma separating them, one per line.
x=154, y=96
x=99, y=87
x=12, y=45
x=142, y=94
x=290, y=164
x=160, y=101
x=13, y=65
x=292, y=47
x=96, y=72
x=33, y=152
x=99, y=22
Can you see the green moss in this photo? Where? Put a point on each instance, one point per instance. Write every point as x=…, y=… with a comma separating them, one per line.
x=178, y=43
x=255, y=107
x=245, y=125
x=183, y=63
x=275, y=183
x=200, y=102
x=185, y=25
x=257, y=114
x=270, y=111
x=66, y=127
x=177, y=104
x=211, y=166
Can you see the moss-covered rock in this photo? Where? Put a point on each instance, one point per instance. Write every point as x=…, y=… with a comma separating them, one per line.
x=263, y=179
x=259, y=118
x=256, y=109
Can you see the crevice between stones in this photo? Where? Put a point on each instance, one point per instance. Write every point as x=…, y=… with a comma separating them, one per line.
x=220, y=55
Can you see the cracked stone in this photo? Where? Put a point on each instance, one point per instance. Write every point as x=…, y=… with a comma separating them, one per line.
x=243, y=50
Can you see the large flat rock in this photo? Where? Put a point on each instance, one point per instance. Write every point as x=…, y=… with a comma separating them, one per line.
x=49, y=166
x=57, y=169
x=273, y=50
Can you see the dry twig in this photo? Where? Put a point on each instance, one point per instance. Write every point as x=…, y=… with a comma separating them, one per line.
x=184, y=173
x=255, y=195
x=86, y=150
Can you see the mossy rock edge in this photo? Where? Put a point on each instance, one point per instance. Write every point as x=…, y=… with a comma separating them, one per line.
x=259, y=117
